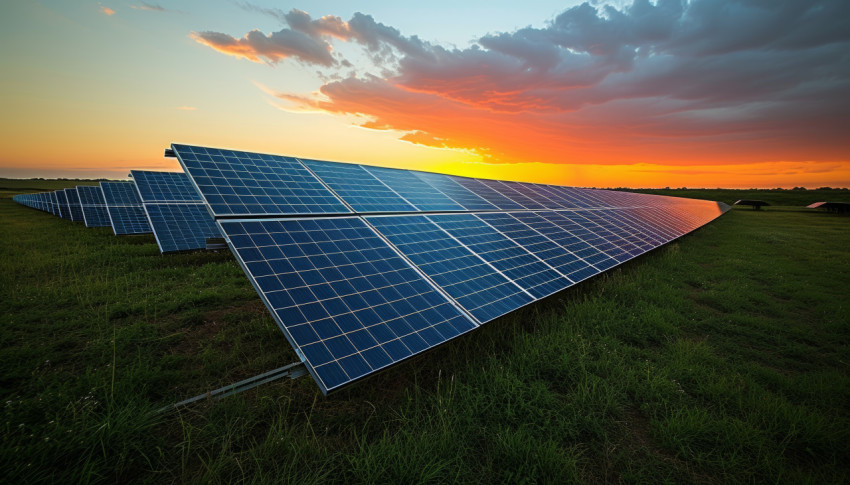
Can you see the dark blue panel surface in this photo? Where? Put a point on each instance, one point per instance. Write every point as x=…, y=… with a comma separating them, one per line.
x=554, y=199
x=181, y=227
x=235, y=183
x=93, y=206
x=525, y=269
x=120, y=194
x=74, y=204
x=90, y=195
x=606, y=241
x=485, y=192
x=56, y=209
x=357, y=187
x=574, y=197
x=457, y=192
x=617, y=222
x=575, y=268
x=414, y=190
x=64, y=208
x=533, y=193
x=508, y=189
x=474, y=284
x=178, y=217
x=652, y=219
x=127, y=220
x=348, y=303
x=96, y=216
x=581, y=241
x=566, y=239
x=164, y=187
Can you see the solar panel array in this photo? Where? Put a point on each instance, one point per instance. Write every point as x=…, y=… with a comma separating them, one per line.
x=178, y=217
x=125, y=208
x=363, y=267
x=164, y=202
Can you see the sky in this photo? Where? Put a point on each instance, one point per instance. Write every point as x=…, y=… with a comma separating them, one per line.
x=699, y=93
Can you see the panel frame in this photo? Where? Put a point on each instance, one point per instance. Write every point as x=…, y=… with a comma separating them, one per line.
x=282, y=326
x=185, y=167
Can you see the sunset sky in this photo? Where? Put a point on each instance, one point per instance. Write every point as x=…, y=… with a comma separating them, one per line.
x=700, y=93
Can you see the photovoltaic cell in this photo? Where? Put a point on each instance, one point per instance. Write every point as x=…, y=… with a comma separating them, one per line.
x=120, y=193
x=414, y=190
x=567, y=263
x=181, y=227
x=64, y=208
x=582, y=241
x=125, y=210
x=164, y=187
x=525, y=269
x=476, y=285
x=509, y=190
x=550, y=224
x=56, y=208
x=493, y=197
x=358, y=188
x=535, y=195
x=237, y=183
x=347, y=302
x=458, y=193
x=93, y=206
x=607, y=242
x=178, y=217
x=74, y=204
x=576, y=197
x=127, y=220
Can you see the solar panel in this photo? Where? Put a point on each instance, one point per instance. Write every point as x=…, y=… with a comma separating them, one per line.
x=164, y=187
x=346, y=300
x=178, y=217
x=93, y=206
x=126, y=214
x=482, y=190
x=570, y=237
x=571, y=266
x=511, y=193
x=180, y=227
x=475, y=284
x=74, y=204
x=414, y=190
x=64, y=208
x=423, y=258
x=358, y=188
x=525, y=269
x=457, y=192
x=237, y=183
x=56, y=208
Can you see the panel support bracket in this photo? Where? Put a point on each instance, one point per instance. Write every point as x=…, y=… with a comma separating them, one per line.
x=293, y=371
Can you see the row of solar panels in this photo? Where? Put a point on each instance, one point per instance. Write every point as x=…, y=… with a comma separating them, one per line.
x=164, y=203
x=363, y=267
x=235, y=183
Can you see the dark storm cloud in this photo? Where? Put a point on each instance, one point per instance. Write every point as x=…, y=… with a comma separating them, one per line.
x=761, y=73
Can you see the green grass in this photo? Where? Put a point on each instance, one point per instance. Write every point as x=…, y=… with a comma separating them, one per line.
x=792, y=197
x=722, y=357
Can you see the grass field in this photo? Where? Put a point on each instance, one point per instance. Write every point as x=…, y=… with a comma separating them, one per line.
x=794, y=197
x=722, y=357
